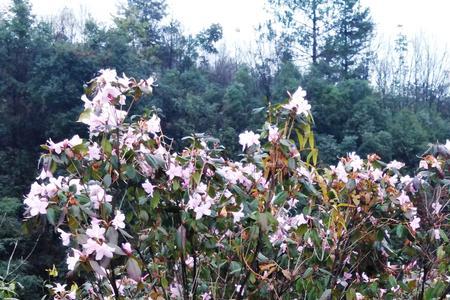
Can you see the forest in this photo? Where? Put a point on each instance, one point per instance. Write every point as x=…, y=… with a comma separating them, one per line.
x=392, y=100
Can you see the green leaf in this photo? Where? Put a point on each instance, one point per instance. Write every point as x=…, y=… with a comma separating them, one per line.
x=130, y=172
x=280, y=198
x=85, y=116
x=51, y=215
x=107, y=180
x=197, y=176
x=106, y=145
x=155, y=200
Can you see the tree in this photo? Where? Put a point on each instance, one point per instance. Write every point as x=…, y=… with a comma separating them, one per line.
x=306, y=24
x=346, y=53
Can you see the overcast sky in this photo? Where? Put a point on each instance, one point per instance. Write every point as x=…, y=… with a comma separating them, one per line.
x=239, y=17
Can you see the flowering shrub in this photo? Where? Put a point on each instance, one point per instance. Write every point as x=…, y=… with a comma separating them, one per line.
x=140, y=220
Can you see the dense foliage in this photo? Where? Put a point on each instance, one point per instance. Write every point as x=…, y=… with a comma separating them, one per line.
x=392, y=105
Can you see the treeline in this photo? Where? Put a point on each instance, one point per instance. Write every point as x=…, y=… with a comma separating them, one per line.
x=362, y=100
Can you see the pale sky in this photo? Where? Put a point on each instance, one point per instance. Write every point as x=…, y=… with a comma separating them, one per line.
x=239, y=17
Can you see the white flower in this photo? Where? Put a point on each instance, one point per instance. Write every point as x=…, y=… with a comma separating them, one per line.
x=299, y=220
x=107, y=76
x=298, y=103
x=189, y=262
x=248, y=138
x=118, y=220
x=423, y=164
x=148, y=187
x=415, y=223
x=403, y=198
x=72, y=260
x=447, y=144
x=437, y=234
x=174, y=171
x=201, y=210
x=377, y=174
x=59, y=288
x=64, y=236
x=154, y=124
x=340, y=172
x=147, y=85
x=237, y=216
x=101, y=250
x=94, y=152
x=437, y=207
x=37, y=205
x=75, y=141
x=206, y=296
x=96, y=232
x=355, y=161
x=175, y=290
x=395, y=165
x=274, y=135
x=104, y=250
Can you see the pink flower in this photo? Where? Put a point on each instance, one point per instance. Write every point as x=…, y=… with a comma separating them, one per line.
x=127, y=248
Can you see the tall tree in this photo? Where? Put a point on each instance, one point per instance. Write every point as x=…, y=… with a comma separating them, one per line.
x=347, y=49
x=306, y=24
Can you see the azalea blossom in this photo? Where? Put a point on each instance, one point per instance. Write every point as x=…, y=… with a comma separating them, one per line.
x=298, y=103
x=153, y=125
x=75, y=141
x=148, y=187
x=395, y=165
x=274, y=135
x=100, y=249
x=415, y=223
x=174, y=171
x=72, y=260
x=202, y=210
x=190, y=262
x=64, y=236
x=248, y=139
x=127, y=248
x=37, y=205
x=94, y=152
x=96, y=232
x=237, y=216
x=117, y=222
x=59, y=288
x=403, y=198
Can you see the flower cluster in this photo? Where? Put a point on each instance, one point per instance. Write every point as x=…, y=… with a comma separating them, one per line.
x=140, y=220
